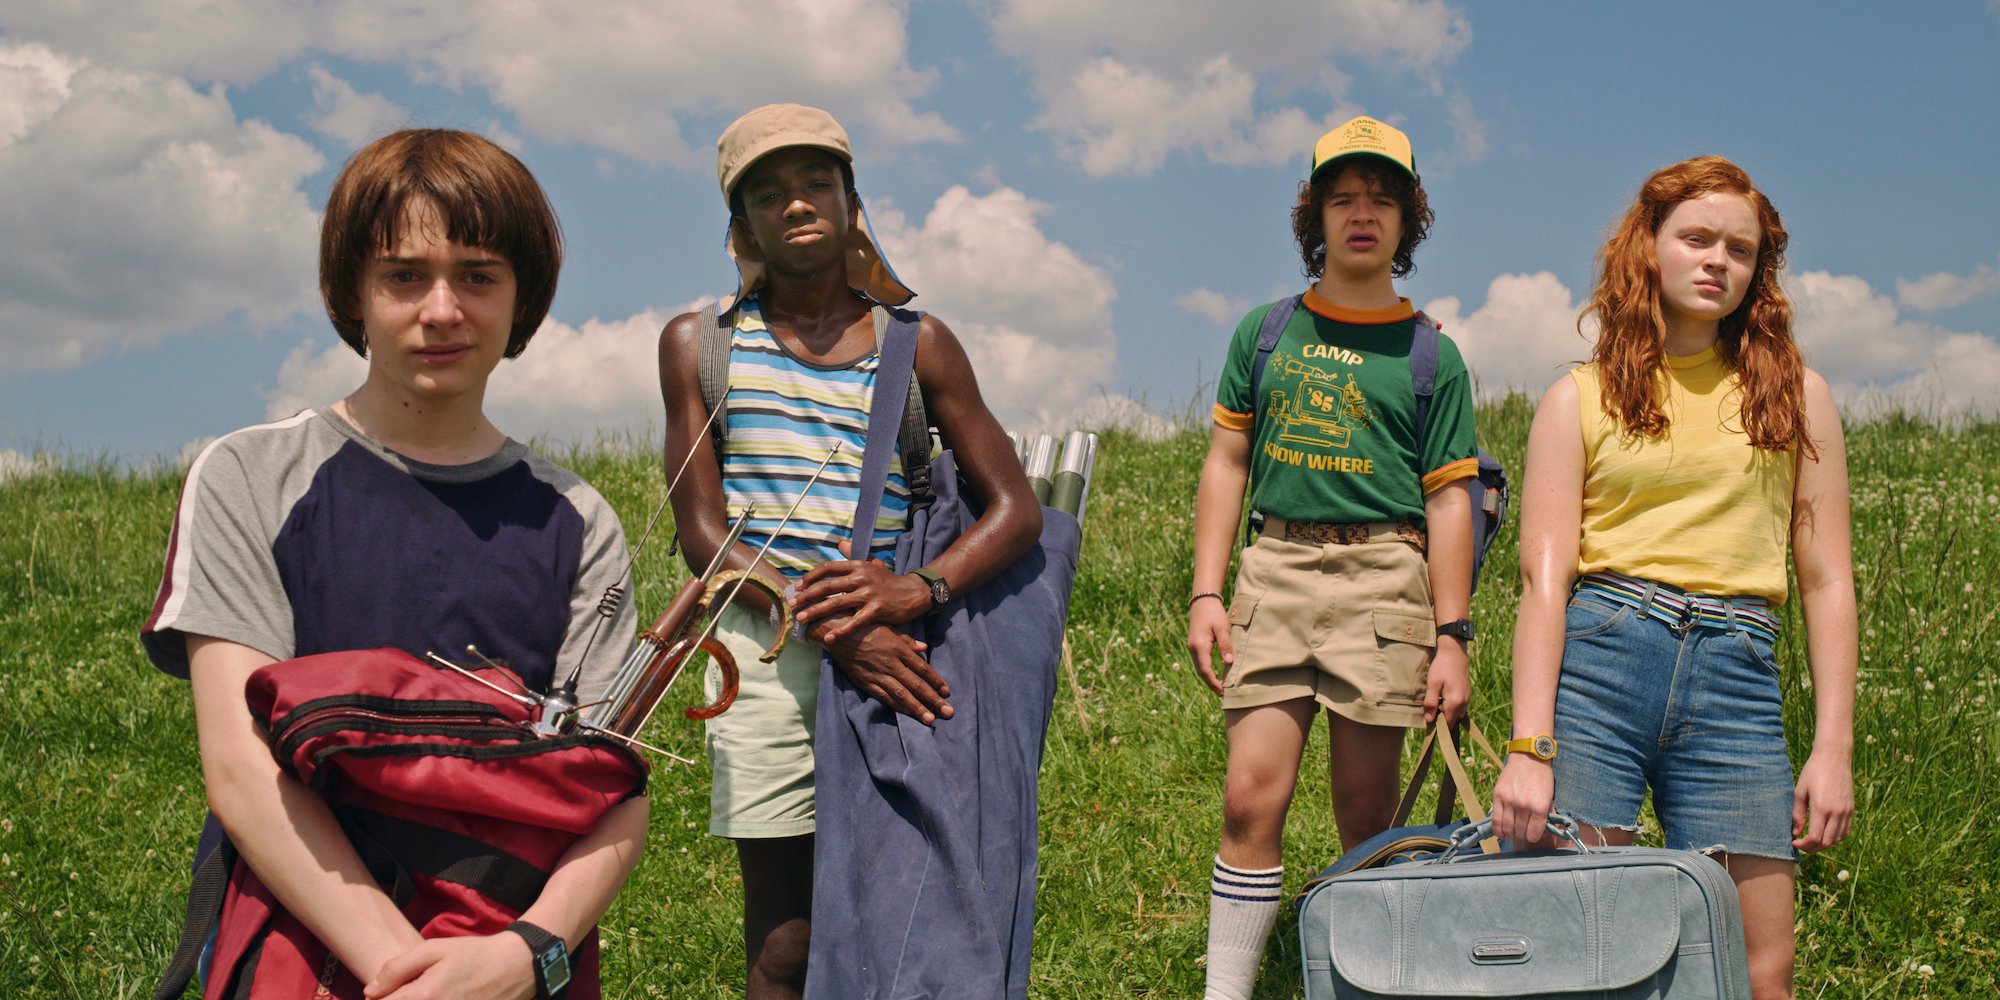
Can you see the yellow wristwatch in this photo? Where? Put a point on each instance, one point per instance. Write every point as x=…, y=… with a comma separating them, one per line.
x=1542, y=748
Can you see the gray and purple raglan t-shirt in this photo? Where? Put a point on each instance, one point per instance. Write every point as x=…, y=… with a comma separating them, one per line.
x=303, y=536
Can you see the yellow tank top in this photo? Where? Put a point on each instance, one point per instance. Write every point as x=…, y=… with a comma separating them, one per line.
x=1698, y=508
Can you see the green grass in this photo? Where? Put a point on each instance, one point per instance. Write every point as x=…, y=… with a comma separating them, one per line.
x=100, y=797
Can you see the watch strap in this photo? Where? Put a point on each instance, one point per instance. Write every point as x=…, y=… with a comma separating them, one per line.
x=541, y=944
x=1530, y=745
x=1462, y=628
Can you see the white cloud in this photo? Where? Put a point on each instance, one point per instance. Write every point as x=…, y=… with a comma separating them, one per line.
x=1041, y=341
x=1945, y=290
x=624, y=78
x=233, y=41
x=1122, y=413
x=1853, y=335
x=574, y=383
x=628, y=76
x=314, y=374
x=1215, y=307
x=354, y=118
x=1124, y=86
x=19, y=465
x=1523, y=337
x=1034, y=317
x=152, y=209
x=1107, y=116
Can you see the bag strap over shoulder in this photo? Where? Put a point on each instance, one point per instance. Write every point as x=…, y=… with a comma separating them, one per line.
x=913, y=438
x=914, y=433
x=895, y=370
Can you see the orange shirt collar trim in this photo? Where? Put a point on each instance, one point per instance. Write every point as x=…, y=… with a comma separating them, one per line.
x=1402, y=310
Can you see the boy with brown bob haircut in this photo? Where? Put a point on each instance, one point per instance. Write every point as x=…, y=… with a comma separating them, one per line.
x=400, y=516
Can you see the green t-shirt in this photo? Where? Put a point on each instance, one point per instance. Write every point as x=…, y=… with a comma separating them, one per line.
x=1334, y=437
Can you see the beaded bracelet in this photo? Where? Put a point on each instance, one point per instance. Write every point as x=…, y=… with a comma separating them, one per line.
x=1206, y=593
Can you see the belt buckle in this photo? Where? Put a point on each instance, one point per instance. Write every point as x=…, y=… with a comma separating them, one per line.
x=1682, y=624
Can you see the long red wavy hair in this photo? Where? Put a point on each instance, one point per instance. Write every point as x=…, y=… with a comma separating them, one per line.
x=1755, y=340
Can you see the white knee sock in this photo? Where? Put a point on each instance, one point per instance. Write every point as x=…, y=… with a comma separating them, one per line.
x=1242, y=907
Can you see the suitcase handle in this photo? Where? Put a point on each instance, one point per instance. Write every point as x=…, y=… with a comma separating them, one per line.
x=1472, y=833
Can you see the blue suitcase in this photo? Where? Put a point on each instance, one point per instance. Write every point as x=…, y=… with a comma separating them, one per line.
x=1616, y=923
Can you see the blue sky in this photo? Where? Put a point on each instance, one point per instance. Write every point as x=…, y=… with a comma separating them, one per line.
x=1089, y=193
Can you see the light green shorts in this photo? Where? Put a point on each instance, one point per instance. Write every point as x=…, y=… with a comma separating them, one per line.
x=762, y=748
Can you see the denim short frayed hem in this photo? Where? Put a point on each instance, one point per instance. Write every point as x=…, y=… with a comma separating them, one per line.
x=1693, y=713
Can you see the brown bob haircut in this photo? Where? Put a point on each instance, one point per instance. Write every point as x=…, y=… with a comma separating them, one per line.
x=484, y=197
x=1309, y=221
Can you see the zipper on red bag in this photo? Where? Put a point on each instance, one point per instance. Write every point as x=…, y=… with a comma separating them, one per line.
x=418, y=723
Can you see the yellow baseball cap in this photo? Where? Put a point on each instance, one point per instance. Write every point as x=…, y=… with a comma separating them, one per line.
x=1364, y=136
x=774, y=127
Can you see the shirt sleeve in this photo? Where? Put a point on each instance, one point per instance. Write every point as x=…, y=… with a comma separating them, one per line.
x=1451, y=441
x=603, y=563
x=220, y=577
x=1234, y=408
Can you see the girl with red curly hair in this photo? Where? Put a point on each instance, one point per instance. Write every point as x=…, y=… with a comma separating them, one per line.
x=1667, y=481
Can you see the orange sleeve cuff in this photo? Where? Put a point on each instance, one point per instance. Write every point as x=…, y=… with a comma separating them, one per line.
x=1464, y=468
x=1233, y=420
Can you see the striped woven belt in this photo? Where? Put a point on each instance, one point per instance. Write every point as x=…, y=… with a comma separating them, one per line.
x=1682, y=610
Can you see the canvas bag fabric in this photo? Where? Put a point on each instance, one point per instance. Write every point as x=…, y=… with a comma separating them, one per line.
x=925, y=853
x=1613, y=923
x=457, y=809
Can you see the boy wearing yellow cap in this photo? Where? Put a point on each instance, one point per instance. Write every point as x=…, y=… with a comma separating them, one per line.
x=1354, y=596
x=801, y=366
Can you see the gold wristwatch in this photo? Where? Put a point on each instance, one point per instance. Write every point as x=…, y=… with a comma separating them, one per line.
x=1542, y=748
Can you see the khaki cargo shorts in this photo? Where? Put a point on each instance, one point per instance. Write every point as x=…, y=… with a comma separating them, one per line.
x=762, y=747
x=1347, y=624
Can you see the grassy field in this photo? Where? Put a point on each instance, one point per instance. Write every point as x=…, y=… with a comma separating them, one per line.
x=101, y=795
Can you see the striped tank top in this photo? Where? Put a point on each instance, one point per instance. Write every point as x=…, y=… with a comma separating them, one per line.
x=783, y=415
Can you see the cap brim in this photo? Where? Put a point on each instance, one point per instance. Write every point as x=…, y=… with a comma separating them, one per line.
x=1350, y=157
x=789, y=139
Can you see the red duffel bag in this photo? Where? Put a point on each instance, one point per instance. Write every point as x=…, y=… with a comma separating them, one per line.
x=458, y=810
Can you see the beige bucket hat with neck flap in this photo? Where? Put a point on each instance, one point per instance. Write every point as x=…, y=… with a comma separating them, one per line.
x=774, y=127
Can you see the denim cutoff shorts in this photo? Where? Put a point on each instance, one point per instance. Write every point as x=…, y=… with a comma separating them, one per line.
x=1692, y=710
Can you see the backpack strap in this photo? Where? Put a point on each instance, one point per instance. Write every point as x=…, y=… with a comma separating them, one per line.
x=1423, y=373
x=204, y=911
x=1268, y=335
x=713, y=368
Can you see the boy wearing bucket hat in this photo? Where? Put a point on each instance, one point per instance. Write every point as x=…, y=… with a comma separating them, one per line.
x=1354, y=596
x=801, y=364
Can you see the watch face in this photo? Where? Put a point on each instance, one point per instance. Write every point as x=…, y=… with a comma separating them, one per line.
x=940, y=593
x=552, y=966
x=1545, y=747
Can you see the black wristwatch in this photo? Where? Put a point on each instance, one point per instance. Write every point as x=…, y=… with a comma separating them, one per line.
x=940, y=591
x=550, y=958
x=1461, y=628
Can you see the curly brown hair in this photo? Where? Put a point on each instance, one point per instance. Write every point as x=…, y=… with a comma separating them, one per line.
x=1308, y=217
